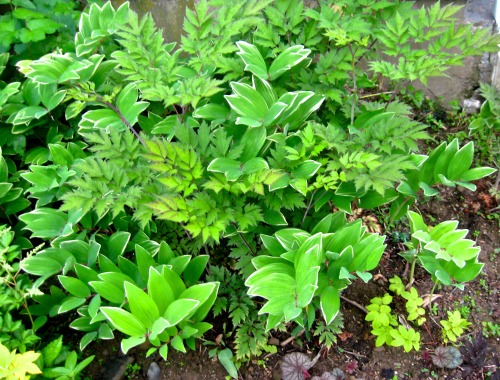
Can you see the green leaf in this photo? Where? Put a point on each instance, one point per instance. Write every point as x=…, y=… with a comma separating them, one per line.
x=124, y=321
x=214, y=112
x=476, y=173
x=226, y=359
x=255, y=165
x=195, y=269
x=179, y=310
x=164, y=351
x=306, y=169
x=374, y=199
x=229, y=167
x=178, y=344
x=141, y=305
x=274, y=218
x=132, y=342
x=288, y=58
x=4, y=188
x=249, y=93
x=41, y=266
x=70, y=303
x=254, y=62
x=116, y=244
x=144, y=261
x=461, y=162
x=87, y=339
x=330, y=303
x=51, y=351
x=74, y=286
x=159, y=290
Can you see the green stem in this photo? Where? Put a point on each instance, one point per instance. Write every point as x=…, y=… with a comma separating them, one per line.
x=243, y=239
x=125, y=121
x=411, y=278
x=309, y=205
x=432, y=293
x=355, y=85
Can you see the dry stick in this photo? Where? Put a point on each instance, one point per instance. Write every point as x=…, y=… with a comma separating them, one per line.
x=287, y=341
x=353, y=353
x=359, y=306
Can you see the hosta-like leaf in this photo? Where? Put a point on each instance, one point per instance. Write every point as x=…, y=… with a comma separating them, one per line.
x=253, y=59
x=141, y=305
x=180, y=309
x=330, y=303
x=287, y=59
x=74, y=286
x=124, y=321
x=132, y=342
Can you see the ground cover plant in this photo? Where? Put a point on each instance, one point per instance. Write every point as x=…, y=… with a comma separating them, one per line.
x=150, y=190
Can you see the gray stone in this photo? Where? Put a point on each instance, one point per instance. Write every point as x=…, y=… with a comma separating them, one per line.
x=154, y=371
x=471, y=106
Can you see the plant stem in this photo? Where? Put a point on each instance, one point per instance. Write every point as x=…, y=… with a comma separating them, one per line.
x=411, y=278
x=125, y=121
x=309, y=205
x=243, y=239
x=377, y=94
x=432, y=293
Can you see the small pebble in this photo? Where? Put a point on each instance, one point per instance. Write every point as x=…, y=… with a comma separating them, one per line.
x=154, y=371
x=471, y=106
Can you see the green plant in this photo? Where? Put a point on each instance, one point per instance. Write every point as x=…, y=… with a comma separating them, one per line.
x=171, y=311
x=58, y=362
x=304, y=271
x=327, y=333
x=454, y=326
x=490, y=329
x=386, y=326
x=239, y=144
x=486, y=127
x=132, y=370
x=442, y=251
x=17, y=366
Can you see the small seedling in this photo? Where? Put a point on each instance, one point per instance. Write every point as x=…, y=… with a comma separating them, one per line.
x=454, y=326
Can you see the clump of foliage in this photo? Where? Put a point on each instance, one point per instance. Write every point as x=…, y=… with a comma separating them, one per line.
x=386, y=327
x=474, y=353
x=247, y=146
x=454, y=326
x=486, y=129
x=17, y=366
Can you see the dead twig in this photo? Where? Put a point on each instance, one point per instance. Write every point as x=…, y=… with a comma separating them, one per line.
x=354, y=303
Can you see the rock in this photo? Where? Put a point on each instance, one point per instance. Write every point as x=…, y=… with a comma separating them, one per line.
x=273, y=342
x=154, y=371
x=471, y=106
x=115, y=368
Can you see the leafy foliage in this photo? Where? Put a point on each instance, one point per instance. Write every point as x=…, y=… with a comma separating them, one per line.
x=244, y=143
x=17, y=366
x=454, y=326
x=302, y=268
x=443, y=251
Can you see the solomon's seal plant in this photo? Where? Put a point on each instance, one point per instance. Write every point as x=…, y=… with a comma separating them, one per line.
x=302, y=271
